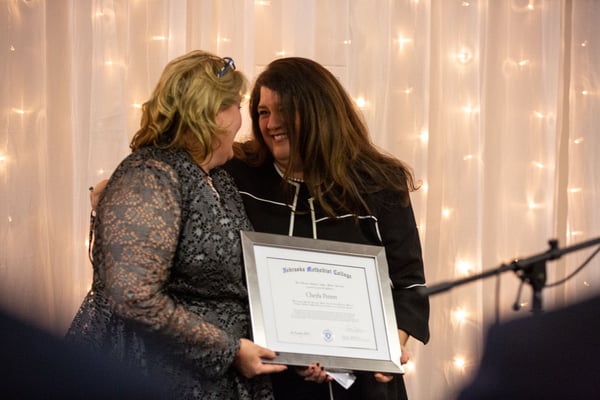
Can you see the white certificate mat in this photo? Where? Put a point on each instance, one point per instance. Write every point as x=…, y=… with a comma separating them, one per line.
x=321, y=301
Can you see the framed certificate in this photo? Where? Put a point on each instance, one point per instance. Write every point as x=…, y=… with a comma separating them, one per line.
x=323, y=301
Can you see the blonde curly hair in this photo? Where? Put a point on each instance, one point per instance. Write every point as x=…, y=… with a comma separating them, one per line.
x=182, y=109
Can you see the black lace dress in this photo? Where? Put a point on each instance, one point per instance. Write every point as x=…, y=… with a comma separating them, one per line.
x=168, y=294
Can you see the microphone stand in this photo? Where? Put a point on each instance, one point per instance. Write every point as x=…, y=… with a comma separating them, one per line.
x=531, y=269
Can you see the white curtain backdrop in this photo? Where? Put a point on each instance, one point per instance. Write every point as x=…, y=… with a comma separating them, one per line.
x=495, y=104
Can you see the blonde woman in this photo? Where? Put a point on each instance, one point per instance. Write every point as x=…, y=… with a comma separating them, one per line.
x=168, y=295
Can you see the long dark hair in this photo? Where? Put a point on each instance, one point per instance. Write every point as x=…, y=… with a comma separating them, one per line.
x=328, y=138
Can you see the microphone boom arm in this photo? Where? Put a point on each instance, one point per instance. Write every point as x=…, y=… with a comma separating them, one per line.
x=531, y=269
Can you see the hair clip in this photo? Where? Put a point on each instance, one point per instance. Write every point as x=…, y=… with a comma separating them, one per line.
x=228, y=64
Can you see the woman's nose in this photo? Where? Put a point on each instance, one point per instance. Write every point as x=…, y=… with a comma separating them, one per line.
x=274, y=121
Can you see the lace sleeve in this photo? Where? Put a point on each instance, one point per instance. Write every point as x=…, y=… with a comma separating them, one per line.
x=138, y=224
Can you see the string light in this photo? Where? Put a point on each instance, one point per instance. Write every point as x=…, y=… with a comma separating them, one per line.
x=459, y=363
x=18, y=111
x=403, y=41
x=409, y=367
x=459, y=315
x=469, y=109
x=463, y=267
x=361, y=102
x=424, y=136
x=532, y=205
x=579, y=140
x=446, y=213
x=537, y=164
x=158, y=38
x=464, y=56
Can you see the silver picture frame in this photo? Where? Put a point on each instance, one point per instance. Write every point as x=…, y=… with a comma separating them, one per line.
x=314, y=300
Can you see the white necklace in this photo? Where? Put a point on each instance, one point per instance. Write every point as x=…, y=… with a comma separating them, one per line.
x=300, y=180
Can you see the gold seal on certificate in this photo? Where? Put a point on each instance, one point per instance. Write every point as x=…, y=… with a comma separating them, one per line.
x=321, y=301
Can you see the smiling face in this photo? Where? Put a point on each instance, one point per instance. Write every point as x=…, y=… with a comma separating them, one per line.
x=272, y=127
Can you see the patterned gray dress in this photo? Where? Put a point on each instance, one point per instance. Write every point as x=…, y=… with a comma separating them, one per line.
x=168, y=294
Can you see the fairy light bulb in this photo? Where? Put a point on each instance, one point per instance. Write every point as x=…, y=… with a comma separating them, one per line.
x=446, y=213
x=409, y=367
x=537, y=164
x=424, y=136
x=459, y=362
x=361, y=102
x=403, y=41
x=532, y=205
x=463, y=267
x=464, y=56
x=470, y=109
x=459, y=315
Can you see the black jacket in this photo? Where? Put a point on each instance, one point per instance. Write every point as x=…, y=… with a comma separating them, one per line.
x=285, y=207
